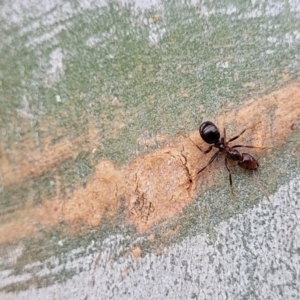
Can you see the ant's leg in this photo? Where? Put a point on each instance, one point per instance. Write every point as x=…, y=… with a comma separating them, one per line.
x=210, y=161
x=236, y=137
x=262, y=154
x=260, y=186
x=226, y=164
x=206, y=151
x=230, y=180
x=246, y=146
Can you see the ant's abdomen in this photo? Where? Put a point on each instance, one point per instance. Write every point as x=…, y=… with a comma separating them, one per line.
x=248, y=162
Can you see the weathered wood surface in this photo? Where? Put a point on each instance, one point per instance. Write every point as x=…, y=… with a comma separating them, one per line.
x=98, y=194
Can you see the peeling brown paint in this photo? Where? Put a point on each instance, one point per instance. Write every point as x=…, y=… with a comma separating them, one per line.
x=155, y=186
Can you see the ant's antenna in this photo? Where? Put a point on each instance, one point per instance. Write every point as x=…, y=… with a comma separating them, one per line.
x=184, y=135
x=224, y=108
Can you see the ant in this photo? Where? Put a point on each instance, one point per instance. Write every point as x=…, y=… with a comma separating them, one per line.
x=210, y=133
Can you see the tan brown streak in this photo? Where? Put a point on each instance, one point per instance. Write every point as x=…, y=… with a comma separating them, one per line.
x=100, y=197
x=161, y=178
x=276, y=112
x=36, y=162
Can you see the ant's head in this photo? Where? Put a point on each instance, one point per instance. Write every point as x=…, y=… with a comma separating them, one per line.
x=209, y=132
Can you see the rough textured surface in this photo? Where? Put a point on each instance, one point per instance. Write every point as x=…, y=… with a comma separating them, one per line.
x=97, y=190
x=255, y=255
x=158, y=185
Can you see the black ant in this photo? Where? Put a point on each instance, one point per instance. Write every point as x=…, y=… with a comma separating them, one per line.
x=210, y=133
